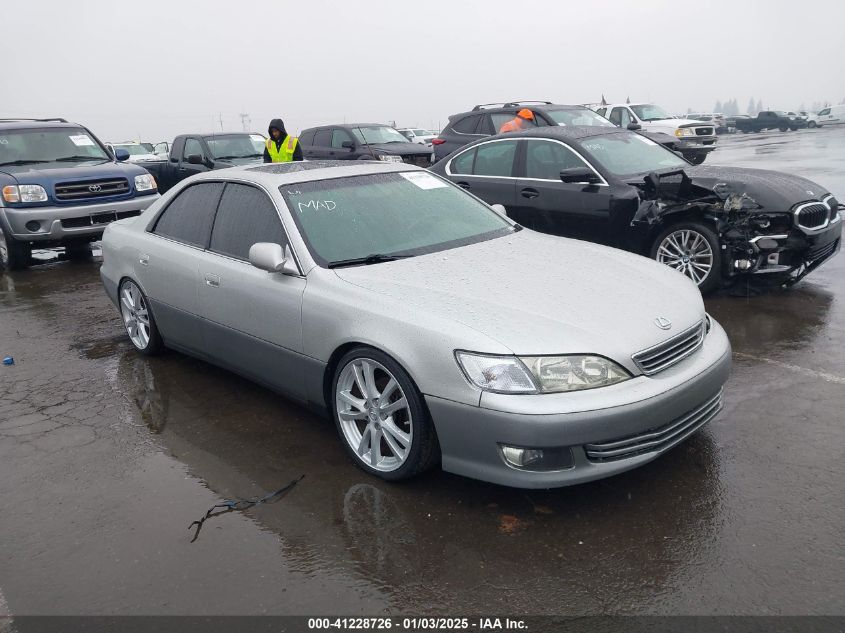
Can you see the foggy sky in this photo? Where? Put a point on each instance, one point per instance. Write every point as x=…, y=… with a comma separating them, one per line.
x=150, y=69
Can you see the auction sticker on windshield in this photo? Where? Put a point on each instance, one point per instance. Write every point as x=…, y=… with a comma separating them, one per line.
x=423, y=180
x=81, y=140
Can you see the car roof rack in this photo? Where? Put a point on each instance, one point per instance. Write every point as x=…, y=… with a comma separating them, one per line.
x=55, y=120
x=509, y=104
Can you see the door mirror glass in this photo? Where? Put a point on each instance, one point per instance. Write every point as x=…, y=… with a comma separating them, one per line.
x=272, y=258
x=578, y=175
x=195, y=159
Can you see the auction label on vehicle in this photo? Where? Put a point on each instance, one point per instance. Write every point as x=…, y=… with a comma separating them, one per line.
x=81, y=139
x=418, y=623
x=423, y=180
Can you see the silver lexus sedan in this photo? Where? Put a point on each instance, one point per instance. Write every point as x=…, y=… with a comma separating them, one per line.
x=428, y=325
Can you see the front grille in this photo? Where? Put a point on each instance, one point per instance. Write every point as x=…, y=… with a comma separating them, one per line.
x=423, y=160
x=91, y=189
x=656, y=359
x=812, y=215
x=821, y=252
x=833, y=205
x=704, y=131
x=658, y=438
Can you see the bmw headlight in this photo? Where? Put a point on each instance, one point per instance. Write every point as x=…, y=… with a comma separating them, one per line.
x=685, y=131
x=390, y=158
x=539, y=374
x=144, y=182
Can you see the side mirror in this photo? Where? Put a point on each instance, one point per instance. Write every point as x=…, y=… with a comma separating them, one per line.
x=348, y=145
x=121, y=154
x=500, y=209
x=270, y=257
x=579, y=175
x=634, y=126
x=195, y=159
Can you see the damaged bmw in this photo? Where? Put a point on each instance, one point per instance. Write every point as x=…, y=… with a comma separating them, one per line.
x=716, y=225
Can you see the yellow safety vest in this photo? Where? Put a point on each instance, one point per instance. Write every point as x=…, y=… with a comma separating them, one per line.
x=284, y=153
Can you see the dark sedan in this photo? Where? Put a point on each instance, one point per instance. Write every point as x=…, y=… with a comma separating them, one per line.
x=615, y=187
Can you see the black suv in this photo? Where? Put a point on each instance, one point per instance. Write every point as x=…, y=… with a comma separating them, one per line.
x=486, y=119
x=362, y=141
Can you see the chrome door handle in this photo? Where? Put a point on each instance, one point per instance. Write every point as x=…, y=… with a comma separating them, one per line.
x=144, y=259
x=212, y=280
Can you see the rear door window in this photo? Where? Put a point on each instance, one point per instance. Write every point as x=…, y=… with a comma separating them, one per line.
x=189, y=216
x=246, y=216
x=495, y=159
x=339, y=136
x=323, y=138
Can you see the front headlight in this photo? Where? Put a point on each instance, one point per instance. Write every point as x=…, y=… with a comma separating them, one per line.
x=390, y=158
x=24, y=193
x=144, y=182
x=540, y=374
x=685, y=131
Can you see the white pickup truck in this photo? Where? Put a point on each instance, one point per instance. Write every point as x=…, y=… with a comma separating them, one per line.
x=695, y=139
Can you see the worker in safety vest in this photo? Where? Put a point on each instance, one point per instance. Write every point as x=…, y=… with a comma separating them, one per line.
x=519, y=122
x=281, y=147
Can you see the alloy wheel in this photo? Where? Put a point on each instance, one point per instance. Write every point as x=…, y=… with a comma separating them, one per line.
x=687, y=251
x=374, y=414
x=136, y=316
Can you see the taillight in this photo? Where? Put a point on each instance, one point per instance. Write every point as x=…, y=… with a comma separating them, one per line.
x=437, y=141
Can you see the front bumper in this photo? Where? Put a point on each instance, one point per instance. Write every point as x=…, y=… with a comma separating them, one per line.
x=470, y=437
x=66, y=223
x=696, y=144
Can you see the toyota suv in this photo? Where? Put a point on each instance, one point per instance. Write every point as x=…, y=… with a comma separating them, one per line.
x=60, y=187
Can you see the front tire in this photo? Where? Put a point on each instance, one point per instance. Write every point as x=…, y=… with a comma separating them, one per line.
x=692, y=249
x=812, y=124
x=138, y=319
x=697, y=159
x=380, y=416
x=14, y=255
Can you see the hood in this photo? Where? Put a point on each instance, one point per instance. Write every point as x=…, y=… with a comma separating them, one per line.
x=541, y=294
x=686, y=122
x=279, y=125
x=60, y=172
x=773, y=190
x=401, y=149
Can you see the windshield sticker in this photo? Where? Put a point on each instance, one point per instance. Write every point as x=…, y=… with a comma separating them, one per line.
x=257, y=137
x=423, y=180
x=81, y=140
x=316, y=205
x=4, y=141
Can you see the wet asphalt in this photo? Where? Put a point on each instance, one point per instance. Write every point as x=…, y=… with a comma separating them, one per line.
x=106, y=457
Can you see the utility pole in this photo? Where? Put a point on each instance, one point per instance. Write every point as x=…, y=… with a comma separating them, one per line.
x=245, y=121
x=220, y=118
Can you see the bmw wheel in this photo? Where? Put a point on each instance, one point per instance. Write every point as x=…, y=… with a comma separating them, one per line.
x=380, y=416
x=691, y=248
x=138, y=319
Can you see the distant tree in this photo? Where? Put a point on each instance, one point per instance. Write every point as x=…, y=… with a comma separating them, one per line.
x=826, y=104
x=689, y=110
x=816, y=106
x=717, y=107
x=759, y=106
x=750, y=110
x=802, y=108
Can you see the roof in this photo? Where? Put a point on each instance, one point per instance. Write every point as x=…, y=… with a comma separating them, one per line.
x=349, y=125
x=573, y=132
x=275, y=174
x=27, y=124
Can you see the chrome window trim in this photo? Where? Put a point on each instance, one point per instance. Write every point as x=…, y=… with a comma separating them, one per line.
x=603, y=182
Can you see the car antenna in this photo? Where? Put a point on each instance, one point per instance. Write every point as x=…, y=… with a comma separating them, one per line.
x=372, y=153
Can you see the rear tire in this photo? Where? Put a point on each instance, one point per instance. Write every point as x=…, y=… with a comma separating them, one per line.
x=14, y=255
x=380, y=416
x=692, y=249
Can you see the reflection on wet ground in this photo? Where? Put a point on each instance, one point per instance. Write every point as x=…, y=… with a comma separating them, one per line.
x=106, y=457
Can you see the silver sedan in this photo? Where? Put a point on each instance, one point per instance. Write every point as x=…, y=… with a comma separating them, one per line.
x=428, y=325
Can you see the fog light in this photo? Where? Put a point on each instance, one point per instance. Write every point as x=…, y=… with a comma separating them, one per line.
x=742, y=264
x=521, y=457
x=33, y=226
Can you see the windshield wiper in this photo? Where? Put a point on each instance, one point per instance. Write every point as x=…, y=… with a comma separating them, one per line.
x=375, y=258
x=24, y=161
x=73, y=159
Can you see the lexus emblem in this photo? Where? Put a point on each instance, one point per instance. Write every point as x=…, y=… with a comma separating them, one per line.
x=94, y=188
x=663, y=323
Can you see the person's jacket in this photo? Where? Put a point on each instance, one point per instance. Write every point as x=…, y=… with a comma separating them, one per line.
x=280, y=125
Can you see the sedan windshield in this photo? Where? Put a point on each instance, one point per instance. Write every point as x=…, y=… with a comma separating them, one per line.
x=578, y=116
x=629, y=154
x=378, y=134
x=379, y=217
x=40, y=146
x=650, y=112
x=231, y=146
